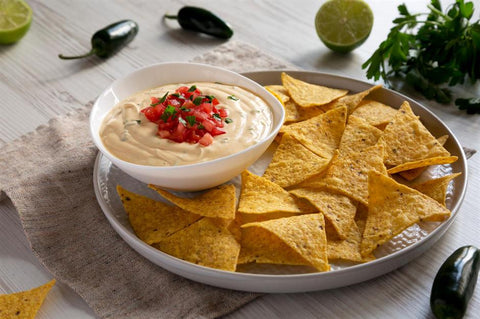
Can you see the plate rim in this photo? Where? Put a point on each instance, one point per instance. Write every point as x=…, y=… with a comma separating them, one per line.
x=268, y=283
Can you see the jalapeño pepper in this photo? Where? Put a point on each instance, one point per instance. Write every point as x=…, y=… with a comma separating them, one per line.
x=109, y=40
x=454, y=283
x=201, y=20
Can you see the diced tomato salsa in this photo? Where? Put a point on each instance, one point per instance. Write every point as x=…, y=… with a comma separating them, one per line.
x=187, y=116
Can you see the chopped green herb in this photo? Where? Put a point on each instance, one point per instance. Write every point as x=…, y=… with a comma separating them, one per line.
x=233, y=98
x=210, y=97
x=228, y=120
x=201, y=127
x=191, y=119
x=164, y=97
x=192, y=88
x=217, y=116
x=178, y=95
x=181, y=120
x=198, y=100
x=184, y=109
x=161, y=100
x=169, y=111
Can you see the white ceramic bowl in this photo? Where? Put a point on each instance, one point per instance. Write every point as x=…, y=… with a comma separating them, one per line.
x=191, y=177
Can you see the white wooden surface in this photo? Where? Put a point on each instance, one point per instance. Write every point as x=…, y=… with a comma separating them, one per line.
x=36, y=86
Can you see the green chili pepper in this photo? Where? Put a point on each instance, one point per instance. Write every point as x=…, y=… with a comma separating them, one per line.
x=454, y=283
x=109, y=40
x=201, y=20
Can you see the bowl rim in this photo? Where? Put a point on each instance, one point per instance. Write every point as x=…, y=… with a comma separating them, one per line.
x=270, y=136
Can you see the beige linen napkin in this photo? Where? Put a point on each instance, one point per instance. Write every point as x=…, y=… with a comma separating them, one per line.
x=48, y=175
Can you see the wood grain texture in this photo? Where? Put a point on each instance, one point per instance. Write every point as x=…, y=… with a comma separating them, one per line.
x=36, y=86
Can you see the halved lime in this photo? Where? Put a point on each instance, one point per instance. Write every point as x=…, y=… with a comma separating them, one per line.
x=343, y=25
x=15, y=20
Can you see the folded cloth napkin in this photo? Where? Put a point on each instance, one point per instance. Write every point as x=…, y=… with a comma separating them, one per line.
x=48, y=175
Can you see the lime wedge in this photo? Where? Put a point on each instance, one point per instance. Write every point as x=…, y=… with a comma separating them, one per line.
x=343, y=25
x=15, y=19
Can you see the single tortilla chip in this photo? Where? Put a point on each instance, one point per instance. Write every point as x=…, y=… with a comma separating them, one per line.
x=353, y=100
x=216, y=202
x=322, y=133
x=300, y=240
x=338, y=209
x=412, y=174
x=203, y=243
x=291, y=112
x=259, y=196
x=348, y=174
x=254, y=218
x=308, y=95
x=375, y=113
x=24, y=304
x=439, y=160
x=153, y=220
x=407, y=140
x=393, y=207
x=436, y=188
x=292, y=163
x=358, y=135
x=347, y=249
x=279, y=91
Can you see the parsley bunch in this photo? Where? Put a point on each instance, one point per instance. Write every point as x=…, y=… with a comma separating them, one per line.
x=431, y=51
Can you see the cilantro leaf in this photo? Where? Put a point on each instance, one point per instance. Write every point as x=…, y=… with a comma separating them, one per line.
x=430, y=50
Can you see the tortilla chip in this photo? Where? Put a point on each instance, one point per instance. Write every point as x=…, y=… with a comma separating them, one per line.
x=358, y=135
x=153, y=220
x=308, y=95
x=309, y=112
x=259, y=196
x=291, y=112
x=353, y=100
x=407, y=140
x=440, y=160
x=375, y=113
x=348, y=174
x=24, y=304
x=338, y=209
x=203, y=243
x=292, y=163
x=216, y=202
x=322, y=133
x=253, y=218
x=411, y=174
x=393, y=207
x=361, y=217
x=297, y=240
x=347, y=249
x=436, y=188
x=279, y=92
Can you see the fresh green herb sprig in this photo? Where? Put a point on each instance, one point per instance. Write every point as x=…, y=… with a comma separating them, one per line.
x=430, y=51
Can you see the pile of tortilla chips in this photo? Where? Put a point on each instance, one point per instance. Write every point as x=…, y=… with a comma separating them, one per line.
x=331, y=192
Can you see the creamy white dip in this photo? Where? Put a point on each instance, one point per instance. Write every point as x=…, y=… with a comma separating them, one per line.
x=130, y=136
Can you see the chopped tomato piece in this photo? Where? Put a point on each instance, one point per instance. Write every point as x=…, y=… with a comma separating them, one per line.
x=206, y=139
x=187, y=116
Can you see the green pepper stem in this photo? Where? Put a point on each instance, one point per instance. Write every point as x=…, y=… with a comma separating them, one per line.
x=169, y=16
x=92, y=52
